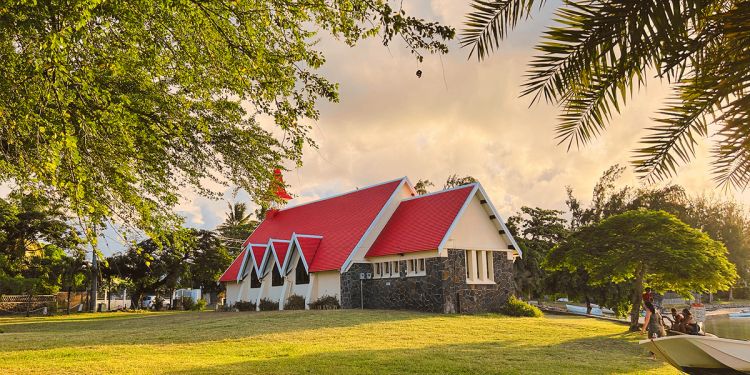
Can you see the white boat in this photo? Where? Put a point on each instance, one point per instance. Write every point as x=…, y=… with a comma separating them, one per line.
x=702, y=354
x=741, y=314
x=582, y=310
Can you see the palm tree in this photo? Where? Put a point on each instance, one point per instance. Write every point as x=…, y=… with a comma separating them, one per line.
x=600, y=50
x=237, y=226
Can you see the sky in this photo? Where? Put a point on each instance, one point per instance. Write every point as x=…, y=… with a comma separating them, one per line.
x=461, y=117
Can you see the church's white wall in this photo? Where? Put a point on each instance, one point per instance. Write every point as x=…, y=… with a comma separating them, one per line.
x=274, y=292
x=475, y=230
x=327, y=283
x=403, y=193
x=232, y=293
x=300, y=290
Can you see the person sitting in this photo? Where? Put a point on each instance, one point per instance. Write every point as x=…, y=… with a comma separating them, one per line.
x=676, y=320
x=689, y=325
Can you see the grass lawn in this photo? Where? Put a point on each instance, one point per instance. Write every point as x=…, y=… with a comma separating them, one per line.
x=343, y=341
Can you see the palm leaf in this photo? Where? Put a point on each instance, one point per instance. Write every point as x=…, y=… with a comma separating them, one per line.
x=490, y=21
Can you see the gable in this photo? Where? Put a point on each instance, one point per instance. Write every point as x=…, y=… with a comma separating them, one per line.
x=475, y=230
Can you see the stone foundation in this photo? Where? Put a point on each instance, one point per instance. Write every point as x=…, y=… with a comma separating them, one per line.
x=442, y=289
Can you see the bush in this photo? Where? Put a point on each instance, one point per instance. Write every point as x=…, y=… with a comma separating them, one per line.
x=244, y=306
x=200, y=305
x=325, y=303
x=268, y=305
x=516, y=307
x=295, y=302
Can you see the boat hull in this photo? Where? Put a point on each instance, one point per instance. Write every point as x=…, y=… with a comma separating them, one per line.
x=702, y=354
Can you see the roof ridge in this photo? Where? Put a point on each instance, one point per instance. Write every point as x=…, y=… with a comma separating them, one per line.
x=345, y=193
x=471, y=185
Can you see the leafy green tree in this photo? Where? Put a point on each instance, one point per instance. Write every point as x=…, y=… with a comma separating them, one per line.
x=599, y=51
x=208, y=261
x=537, y=231
x=111, y=108
x=642, y=247
x=185, y=258
x=455, y=181
x=422, y=186
x=36, y=245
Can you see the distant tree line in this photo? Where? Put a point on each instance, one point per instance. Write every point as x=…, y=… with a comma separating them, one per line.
x=543, y=232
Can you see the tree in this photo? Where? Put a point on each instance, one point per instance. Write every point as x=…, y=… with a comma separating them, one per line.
x=600, y=51
x=209, y=260
x=36, y=245
x=112, y=108
x=237, y=226
x=188, y=258
x=455, y=181
x=537, y=231
x=422, y=186
x=642, y=247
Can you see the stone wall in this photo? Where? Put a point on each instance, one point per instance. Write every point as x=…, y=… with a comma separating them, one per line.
x=442, y=289
x=461, y=297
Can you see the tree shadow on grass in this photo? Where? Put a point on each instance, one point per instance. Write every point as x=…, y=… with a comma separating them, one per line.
x=177, y=328
x=605, y=354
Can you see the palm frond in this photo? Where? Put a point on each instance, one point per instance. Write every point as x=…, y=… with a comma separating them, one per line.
x=490, y=22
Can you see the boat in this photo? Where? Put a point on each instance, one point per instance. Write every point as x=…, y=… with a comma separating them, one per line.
x=582, y=310
x=702, y=354
x=741, y=314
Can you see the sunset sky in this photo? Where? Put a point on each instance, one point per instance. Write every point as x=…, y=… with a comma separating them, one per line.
x=463, y=117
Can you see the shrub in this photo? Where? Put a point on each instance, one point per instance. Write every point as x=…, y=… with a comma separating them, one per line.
x=516, y=307
x=268, y=305
x=325, y=303
x=200, y=305
x=295, y=302
x=244, y=306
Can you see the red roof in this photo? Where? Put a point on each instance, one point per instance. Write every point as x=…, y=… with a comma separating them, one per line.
x=308, y=246
x=259, y=251
x=280, y=248
x=232, y=273
x=341, y=220
x=420, y=223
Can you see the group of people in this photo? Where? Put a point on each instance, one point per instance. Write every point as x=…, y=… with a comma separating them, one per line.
x=654, y=322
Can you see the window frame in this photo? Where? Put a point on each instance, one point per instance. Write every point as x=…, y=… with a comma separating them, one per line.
x=482, y=262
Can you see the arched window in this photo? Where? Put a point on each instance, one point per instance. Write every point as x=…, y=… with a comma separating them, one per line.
x=301, y=276
x=276, y=279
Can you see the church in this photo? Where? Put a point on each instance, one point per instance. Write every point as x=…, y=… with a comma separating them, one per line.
x=381, y=247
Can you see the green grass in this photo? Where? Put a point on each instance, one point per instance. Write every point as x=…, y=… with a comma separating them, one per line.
x=343, y=341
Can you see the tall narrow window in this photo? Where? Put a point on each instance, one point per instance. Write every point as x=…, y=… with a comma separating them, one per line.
x=490, y=266
x=468, y=256
x=378, y=273
x=395, y=269
x=300, y=274
x=254, y=280
x=387, y=270
x=420, y=266
x=276, y=279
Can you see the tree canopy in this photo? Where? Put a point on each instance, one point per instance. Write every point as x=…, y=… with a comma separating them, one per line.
x=599, y=52
x=651, y=247
x=111, y=108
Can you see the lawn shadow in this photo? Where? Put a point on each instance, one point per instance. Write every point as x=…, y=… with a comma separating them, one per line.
x=591, y=355
x=177, y=328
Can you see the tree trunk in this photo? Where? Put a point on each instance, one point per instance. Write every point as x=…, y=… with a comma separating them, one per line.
x=731, y=295
x=67, y=312
x=636, y=299
x=588, y=305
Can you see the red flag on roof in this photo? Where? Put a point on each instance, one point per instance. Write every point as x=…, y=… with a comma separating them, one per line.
x=280, y=191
